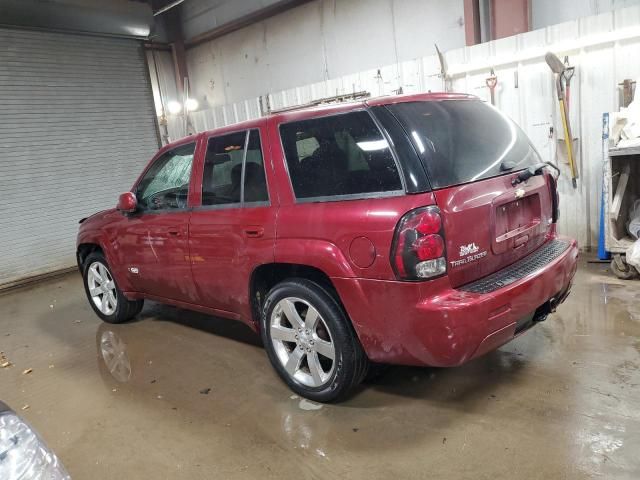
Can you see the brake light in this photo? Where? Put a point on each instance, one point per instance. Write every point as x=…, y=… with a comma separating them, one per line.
x=429, y=247
x=418, y=250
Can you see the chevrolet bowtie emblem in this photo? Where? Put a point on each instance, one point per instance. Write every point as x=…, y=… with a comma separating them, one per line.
x=519, y=193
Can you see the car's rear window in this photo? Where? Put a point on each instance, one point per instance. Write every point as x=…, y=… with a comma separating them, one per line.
x=338, y=155
x=461, y=141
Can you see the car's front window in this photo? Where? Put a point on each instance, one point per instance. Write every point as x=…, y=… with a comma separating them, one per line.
x=166, y=183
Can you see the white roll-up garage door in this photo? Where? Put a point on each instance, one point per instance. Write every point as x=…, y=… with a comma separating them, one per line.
x=77, y=125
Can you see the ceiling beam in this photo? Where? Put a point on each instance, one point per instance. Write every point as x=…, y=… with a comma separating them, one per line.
x=244, y=21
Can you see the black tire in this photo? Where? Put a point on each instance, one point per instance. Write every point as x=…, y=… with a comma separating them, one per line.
x=350, y=363
x=627, y=273
x=125, y=309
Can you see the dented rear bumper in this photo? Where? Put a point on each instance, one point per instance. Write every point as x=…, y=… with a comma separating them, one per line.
x=431, y=323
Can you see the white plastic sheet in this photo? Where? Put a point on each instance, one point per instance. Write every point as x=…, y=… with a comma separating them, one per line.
x=625, y=128
x=633, y=254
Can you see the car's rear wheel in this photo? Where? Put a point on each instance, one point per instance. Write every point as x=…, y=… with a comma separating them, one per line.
x=310, y=341
x=104, y=296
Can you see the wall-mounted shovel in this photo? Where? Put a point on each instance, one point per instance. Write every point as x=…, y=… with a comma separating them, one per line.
x=558, y=68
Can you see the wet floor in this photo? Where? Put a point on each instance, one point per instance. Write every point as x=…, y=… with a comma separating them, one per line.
x=183, y=395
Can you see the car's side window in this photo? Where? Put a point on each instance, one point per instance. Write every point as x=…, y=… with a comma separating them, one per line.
x=166, y=184
x=231, y=159
x=344, y=154
x=255, y=182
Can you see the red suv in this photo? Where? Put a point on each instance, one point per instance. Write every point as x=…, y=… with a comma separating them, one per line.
x=414, y=230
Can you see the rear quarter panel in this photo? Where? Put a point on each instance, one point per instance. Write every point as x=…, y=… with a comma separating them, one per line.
x=339, y=236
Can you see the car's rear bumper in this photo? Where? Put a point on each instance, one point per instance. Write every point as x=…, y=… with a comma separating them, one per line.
x=430, y=323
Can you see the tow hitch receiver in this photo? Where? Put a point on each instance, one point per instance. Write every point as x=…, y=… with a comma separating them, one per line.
x=542, y=312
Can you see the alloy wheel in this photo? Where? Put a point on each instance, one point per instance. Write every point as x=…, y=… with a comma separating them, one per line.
x=102, y=288
x=302, y=342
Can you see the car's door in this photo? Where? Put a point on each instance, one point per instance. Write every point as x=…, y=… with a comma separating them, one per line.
x=232, y=231
x=153, y=241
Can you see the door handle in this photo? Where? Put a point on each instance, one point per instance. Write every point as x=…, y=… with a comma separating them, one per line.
x=173, y=232
x=254, y=232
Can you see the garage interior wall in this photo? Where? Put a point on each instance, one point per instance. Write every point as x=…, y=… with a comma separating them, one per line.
x=77, y=125
x=317, y=41
x=604, y=49
x=334, y=38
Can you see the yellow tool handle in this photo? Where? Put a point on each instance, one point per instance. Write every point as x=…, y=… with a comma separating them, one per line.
x=569, y=142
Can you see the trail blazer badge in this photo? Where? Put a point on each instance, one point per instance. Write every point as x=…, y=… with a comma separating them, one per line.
x=468, y=249
x=468, y=253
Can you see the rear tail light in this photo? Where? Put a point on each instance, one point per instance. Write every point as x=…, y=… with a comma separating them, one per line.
x=418, y=250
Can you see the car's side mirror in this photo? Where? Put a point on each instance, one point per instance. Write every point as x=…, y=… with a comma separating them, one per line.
x=127, y=203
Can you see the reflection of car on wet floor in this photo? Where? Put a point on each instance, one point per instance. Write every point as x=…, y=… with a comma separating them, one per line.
x=341, y=238
x=23, y=453
x=113, y=352
x=138, y=363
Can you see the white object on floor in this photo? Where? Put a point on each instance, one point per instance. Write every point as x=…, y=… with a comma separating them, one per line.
x=633, y=226
x=633, y=254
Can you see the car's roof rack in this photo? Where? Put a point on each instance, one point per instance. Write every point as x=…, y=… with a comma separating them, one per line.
x=344, y=98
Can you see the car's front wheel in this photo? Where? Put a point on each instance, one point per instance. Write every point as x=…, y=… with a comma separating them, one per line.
x=310, y=341
x=104, y=296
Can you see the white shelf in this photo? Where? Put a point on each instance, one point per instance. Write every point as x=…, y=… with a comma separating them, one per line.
x=618, y=152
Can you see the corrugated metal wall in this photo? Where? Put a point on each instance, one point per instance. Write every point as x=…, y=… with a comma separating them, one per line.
x=77, y=125
x=603, y=48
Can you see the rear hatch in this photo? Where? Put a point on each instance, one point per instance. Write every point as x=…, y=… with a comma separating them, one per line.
x=471, y=153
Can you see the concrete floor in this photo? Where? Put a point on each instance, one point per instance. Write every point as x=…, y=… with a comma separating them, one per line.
x=560, y=402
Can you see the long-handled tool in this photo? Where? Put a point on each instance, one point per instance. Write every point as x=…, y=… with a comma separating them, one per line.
x=558, y=68
x=443, y=70
x=567, y=75
x=491, y=82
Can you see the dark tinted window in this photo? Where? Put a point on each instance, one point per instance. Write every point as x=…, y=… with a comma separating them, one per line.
x=166, y=183
x=338, y=155
x=222, y=174
x=222, y=177
x=255, y=183
x=462, y=141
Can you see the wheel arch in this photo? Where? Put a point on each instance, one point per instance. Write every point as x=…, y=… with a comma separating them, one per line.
x=86, y=249
x=90, y=242
x=266, y=276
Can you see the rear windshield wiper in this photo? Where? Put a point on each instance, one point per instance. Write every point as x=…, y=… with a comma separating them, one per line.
x=536, y=169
